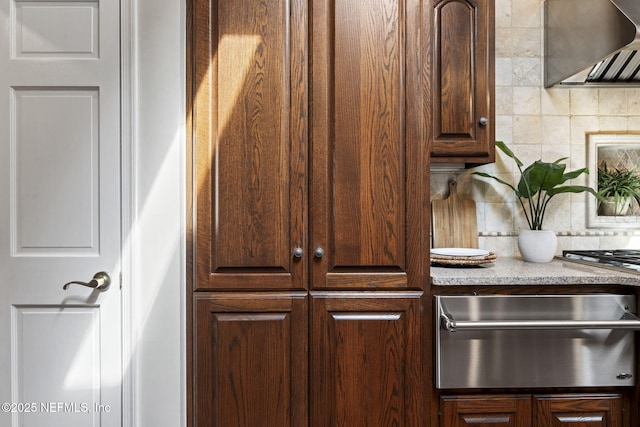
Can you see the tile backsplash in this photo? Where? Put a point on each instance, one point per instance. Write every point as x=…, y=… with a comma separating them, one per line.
x=538, y=123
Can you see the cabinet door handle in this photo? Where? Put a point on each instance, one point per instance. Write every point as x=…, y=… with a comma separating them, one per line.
x=483, y=121
x=318, y=253
x=298, y=252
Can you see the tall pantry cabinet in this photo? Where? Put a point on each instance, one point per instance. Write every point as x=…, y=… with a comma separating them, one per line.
x=308, y=250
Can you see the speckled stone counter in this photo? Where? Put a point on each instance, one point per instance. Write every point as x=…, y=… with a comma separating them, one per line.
x=514, y=271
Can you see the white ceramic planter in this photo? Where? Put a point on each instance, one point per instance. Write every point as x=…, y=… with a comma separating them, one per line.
x=610, y=208
x=537, y=245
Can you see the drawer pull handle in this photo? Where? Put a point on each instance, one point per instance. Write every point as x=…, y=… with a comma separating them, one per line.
x=451, y=324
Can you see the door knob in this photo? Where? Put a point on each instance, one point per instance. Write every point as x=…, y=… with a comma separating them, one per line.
x=483, y=121
x=318, y=253
x=298, y=252
x=101, y=281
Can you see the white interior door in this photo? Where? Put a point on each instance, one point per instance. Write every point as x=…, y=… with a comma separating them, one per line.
x=60, y=358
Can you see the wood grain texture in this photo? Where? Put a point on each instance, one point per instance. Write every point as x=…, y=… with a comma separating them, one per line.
x=366, y=360
x=250, y=365
x=368, y=146
x=598, y=410
x=462, y=80
x=457, y=48
x=368, y=173
x=486, y=411
x=250, y=170
x=251, y=108
x=308, y=104
x=454, y=221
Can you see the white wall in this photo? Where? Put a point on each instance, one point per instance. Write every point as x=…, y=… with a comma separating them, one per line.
x=158, y=278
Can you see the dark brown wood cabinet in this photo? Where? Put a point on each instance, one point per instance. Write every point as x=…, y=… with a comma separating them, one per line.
x=462, y=81
x=307, y=255
x=369, y=158
x=366, y=361
x=600, y=410
x=486, y=411
x=250, y=359
x=249, y=152
x=554, y=410
x=248, y=295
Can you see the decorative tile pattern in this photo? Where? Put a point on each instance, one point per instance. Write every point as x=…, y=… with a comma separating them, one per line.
x=542, y=123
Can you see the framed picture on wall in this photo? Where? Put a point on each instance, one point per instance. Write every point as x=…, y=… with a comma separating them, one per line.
x=614, y=164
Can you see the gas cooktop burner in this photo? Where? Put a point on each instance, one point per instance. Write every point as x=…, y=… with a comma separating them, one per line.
x=624, y=258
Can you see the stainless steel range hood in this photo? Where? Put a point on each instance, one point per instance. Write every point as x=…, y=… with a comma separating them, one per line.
x=592, y=43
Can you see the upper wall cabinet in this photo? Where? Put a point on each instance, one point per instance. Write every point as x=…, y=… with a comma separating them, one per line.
x=462, y=81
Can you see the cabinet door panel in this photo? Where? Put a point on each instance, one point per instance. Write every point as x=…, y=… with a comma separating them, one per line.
x=250, y=360
x=578, y=411
x=365, y=361
x=485, y=411
x=368, y=180
x=249, y=172
x=463, y=79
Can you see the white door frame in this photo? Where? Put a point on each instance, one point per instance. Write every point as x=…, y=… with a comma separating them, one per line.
x=127, y=205
x=153, y=34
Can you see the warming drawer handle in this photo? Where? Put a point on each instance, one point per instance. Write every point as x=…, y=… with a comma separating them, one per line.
x=451, y=324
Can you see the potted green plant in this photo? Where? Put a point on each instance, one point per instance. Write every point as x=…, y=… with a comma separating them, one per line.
x=618, y=188
x=539, y=183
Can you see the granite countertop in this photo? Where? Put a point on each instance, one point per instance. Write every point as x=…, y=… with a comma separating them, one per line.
x=514, y=271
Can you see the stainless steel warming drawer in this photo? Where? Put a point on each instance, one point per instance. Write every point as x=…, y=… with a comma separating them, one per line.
x=505, y=341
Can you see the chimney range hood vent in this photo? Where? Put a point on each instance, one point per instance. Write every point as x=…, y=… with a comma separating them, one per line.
x=592, y=43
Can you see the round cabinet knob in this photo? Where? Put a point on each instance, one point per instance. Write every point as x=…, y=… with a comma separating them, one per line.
x=298, y=252
x=483, y=121
x=318, y=252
